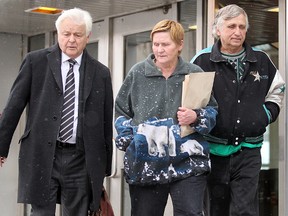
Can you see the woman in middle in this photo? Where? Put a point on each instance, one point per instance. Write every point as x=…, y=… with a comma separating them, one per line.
x=157, y=160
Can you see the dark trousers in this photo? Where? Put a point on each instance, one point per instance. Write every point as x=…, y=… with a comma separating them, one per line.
x=70, y=181
x=233, y=183
x=187, y=197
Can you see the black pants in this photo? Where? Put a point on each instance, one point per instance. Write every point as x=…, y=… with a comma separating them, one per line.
x=187, y=197
x=70, y=181
x=233, y=183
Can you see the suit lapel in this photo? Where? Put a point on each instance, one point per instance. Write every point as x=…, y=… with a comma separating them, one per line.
x=86, y=76
x=54, y=62
x=85, y=86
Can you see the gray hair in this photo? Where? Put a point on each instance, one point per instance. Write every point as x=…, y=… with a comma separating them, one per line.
x=77, y=15
x=226, y=13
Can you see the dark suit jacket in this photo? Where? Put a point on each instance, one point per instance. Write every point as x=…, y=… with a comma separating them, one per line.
x=39, y=88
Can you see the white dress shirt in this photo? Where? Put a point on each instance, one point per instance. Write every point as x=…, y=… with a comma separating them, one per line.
x=64, y=71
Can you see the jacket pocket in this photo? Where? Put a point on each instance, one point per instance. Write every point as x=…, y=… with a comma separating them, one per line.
x=24, y=136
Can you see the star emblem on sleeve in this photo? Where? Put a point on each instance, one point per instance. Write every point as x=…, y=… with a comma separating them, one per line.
x=282, y=88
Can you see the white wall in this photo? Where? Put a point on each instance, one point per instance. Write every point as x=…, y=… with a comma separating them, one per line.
x=10, y=60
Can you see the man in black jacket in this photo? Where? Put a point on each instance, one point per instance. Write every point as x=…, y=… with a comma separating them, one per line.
x=249, y=91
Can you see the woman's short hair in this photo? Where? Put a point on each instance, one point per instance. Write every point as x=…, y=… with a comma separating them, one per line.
x=77, y=15
x=226, y=13
x=174, y=28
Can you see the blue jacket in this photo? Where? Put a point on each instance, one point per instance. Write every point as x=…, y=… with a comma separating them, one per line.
x=148, y=131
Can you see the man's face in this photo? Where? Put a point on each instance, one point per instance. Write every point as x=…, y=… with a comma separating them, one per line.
x=232, y=34
x=72, y=38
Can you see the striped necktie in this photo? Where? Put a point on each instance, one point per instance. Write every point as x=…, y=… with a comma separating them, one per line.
x=67, y=120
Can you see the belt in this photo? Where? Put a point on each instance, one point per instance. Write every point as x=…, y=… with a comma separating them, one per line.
x=63, y=145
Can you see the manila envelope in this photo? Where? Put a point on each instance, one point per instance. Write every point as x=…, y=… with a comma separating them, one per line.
x=196, y=93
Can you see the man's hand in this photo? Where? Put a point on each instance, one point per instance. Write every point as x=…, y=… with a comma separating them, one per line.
x=2, y=161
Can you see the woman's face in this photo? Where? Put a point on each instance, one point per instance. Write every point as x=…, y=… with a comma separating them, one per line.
x=166, y=51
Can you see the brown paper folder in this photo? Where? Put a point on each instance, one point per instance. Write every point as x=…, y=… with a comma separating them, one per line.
x=196, y=93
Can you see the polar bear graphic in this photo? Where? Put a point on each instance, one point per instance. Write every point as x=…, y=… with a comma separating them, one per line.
x=157, y=137
x=192, y=147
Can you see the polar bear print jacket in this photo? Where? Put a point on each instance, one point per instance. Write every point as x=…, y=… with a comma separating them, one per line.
x=148, y=131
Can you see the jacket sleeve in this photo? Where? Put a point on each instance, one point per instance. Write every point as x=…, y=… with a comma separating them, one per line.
x=125, y=133
x=274, y=97
x=17, y=101
x=124, y=115
x=206, y=117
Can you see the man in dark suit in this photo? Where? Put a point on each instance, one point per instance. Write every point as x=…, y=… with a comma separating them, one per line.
x=53, y=167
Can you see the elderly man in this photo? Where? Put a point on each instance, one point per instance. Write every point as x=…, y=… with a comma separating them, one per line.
x=66, y=148
x=249, y=91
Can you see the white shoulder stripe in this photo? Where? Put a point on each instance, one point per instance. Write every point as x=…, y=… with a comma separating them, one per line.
x=206, y=50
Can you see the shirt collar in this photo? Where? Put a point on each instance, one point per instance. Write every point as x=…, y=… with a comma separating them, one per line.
x=66, y=58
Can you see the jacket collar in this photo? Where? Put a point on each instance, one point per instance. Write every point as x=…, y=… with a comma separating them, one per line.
x=86, y=69
x=87, y=74
x=54, y=62
x=152, y=70
x=216, y=55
